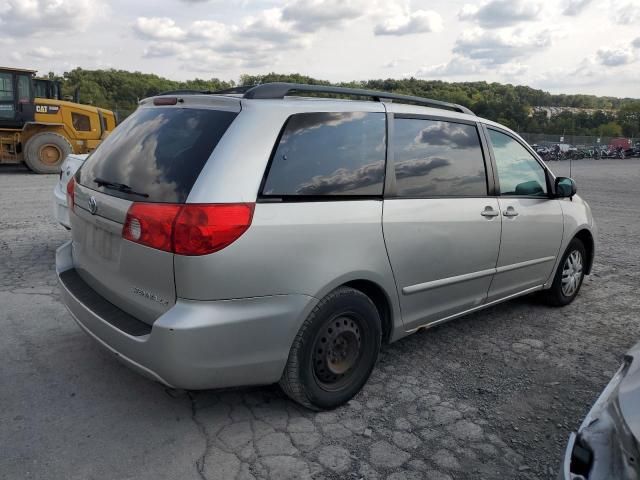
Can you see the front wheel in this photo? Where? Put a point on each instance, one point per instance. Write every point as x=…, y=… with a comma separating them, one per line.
x=334, y=352
x=45, y=152
x=569, y=276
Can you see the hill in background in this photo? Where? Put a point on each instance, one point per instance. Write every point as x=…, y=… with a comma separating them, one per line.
x=120, y=90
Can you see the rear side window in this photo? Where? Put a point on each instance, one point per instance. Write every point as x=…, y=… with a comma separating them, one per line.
x=329, y=154
x=156, y=154
x=437, y=158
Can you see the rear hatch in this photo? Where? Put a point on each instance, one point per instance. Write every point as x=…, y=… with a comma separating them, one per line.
x=155, y=157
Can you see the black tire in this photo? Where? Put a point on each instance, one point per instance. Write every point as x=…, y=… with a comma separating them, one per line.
x=45, y=152
x=345, y=320
x=557, y=296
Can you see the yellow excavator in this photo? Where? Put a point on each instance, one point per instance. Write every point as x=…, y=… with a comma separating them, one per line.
x=39, y=128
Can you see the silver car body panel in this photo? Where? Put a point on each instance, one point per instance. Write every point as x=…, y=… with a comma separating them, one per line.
x=229, y=318
x=68, y=168
x=136, y=278
x=199, y=345
x=576, y=215
x=443, y=253
x=529, y=244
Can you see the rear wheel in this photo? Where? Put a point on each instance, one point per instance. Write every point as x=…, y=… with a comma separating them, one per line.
x=335, y=350
x=569, y=276
x=45, y=152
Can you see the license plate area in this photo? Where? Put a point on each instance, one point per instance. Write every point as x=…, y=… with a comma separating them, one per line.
x=101, y=242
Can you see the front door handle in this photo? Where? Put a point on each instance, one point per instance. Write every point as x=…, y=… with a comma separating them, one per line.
x=510, y=212
x=489, y=212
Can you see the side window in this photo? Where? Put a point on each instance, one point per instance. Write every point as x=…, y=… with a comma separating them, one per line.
x=40, y=89
x=7, y=109
x=6, y=87
x=24, y=88
x=80, y=122
x=329, y=154
x=438, y=158
x=519, y=173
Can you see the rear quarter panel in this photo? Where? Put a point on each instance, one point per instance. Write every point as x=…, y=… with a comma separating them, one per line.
x=306, y=248
x=294, y=248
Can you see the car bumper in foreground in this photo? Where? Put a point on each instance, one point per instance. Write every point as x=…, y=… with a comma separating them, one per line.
x=604, y=447
x=195, y=344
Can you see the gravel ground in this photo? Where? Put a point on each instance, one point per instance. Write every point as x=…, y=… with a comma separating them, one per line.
x=490, y=396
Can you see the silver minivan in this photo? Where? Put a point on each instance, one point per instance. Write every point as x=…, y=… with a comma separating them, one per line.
x=251, y=236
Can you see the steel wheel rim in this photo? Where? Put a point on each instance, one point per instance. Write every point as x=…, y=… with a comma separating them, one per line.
x=50, y=154
x=337, y=351
x=572, y=273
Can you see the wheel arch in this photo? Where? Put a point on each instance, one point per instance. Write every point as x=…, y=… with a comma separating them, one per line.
x=586, y=237
x=380, y=299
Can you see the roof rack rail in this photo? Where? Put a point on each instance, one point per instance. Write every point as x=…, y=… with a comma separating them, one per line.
x=185, y=92
x=281, y=90
x=238, y=89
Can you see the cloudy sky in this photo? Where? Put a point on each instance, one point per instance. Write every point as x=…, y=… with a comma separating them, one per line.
x=571, y=46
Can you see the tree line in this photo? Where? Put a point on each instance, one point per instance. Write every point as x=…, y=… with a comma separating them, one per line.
x=511, y=105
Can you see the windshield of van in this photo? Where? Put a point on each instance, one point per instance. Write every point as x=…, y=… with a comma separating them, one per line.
x=156, y=154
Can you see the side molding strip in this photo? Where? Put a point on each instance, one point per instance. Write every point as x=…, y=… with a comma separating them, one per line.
x=421, y=287
x=528, y=263
x=443, y=282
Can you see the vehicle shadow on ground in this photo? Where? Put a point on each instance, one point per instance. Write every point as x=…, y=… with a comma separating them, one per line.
x=17, y=170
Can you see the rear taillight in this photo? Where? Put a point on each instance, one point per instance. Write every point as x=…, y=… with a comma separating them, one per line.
x=187, y=229
x=71, y=190
x=151, y=224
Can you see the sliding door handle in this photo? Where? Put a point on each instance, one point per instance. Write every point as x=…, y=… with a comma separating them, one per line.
x=489, y=212
x=510, y=212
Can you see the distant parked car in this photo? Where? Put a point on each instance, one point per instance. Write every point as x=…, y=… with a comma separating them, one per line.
x=606, y=444
x=68, y=168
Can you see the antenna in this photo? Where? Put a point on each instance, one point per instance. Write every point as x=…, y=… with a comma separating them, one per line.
x=570, y=163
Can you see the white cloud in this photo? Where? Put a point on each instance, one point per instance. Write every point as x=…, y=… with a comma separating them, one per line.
x=501, y=13
x=336, y=39
x=420, y=21
x=460, y=66
x=575, y=7
x=209, y=30
x=498, y=47
x=254, y=42
x=25, y=18
x=588, y=73
x=457, y=66
x=627, y=13
x=269, y=26
x=613, y=57
x=158, y=28
x=312, y=15
x=42, y=53
x=163, y=49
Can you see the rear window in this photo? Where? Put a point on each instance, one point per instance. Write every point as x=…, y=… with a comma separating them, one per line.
x=329, y=154
x=156, y=154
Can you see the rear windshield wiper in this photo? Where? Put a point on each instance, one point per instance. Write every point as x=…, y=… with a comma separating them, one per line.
x=120, y=187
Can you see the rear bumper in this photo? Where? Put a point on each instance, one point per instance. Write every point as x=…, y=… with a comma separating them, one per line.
x=198, y=344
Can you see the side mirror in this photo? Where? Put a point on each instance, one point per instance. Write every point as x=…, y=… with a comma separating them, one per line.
x=565, y=187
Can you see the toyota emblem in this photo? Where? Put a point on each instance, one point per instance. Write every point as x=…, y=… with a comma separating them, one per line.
x=93, y=205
